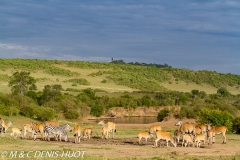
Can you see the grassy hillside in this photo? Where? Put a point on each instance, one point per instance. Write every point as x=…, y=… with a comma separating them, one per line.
x=111, y=77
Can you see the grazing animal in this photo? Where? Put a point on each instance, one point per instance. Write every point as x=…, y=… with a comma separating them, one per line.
x=87, y=132
x=109, y=127
x=164, y=136
x=144, y=135
x=177, y=135
x=77, y=133
x=187, y=139
x=57, y=130
x=38, y=128
x=199, y=138
x=16, y=131
x=188, y=128
x=27, y=128
x=155, y=128
x=219, y=130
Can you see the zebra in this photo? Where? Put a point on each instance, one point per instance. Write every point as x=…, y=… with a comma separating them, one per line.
x=57, y=130
x=2, y=129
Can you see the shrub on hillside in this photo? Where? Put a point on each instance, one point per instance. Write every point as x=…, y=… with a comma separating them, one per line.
x=8, y=111
x=187, y=112
x=45, y=113
x=71, y=114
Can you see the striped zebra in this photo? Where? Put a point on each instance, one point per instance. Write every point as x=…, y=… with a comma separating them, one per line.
x=57, y=130
x=2, y=129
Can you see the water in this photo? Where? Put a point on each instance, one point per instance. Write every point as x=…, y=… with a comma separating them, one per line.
x=132, y=120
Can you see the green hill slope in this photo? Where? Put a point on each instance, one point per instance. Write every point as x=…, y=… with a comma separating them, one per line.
x=112, y=77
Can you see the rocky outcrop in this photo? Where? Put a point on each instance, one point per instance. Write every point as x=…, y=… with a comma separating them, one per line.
x=139, y=111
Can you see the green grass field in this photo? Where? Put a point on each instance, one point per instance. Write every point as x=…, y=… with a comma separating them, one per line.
x=96, y=82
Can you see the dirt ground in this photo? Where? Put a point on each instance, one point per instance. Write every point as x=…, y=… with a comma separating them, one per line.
x=129, y=148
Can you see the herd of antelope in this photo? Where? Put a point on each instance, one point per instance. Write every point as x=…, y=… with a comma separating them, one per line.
x=187, y=133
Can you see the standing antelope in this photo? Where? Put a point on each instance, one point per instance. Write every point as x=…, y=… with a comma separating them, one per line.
x=38, y=128
x=218, y=130
x=198, y=138
x=16, y=131
x=177, y=135
x=87, y=132
x=187, y=139
x=155, y=128
x=108, y=127
x=203, y=127
x=210, y=137
x=77, y=133
x=53, y=123
x=6, y=126
x=105, y=132
x=164, y=136
x=28, y=128
x=144, y=135
x=186, y=127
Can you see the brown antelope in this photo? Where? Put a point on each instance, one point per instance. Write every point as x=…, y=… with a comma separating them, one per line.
x=203, y=127
x=144, y=135
x=38, y=128
x=210, y=137
x=77, y=133
x=28, y=128
x=87, y=132
x=164, y=136
x=187, y=139
x=186, y=127
x=16, y=131
x=177, y=135
x=105, y=132
x=199, y=138
x=109, y=126
x=198, y=130
x=6, y=126
x=218, y=130
x=155, y=128
x=54, y=123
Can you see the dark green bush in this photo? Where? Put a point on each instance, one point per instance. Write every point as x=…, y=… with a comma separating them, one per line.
x=236, y=125
x=187, y=112
x=162, y=114
x=71, y=114
x=44, y=113
x=216, y=117
x=97, y=110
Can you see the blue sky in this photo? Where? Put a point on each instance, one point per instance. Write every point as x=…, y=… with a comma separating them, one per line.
x=191, y=34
